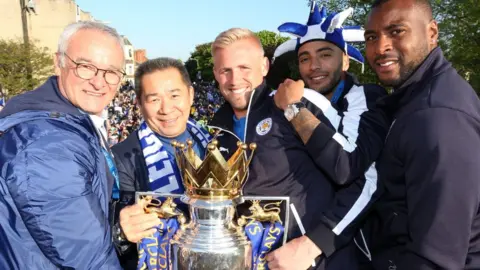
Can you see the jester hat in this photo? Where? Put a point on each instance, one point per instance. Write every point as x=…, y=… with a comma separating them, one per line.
x=321, y=27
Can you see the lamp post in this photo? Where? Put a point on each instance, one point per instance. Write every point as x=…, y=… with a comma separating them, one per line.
x=26, y=41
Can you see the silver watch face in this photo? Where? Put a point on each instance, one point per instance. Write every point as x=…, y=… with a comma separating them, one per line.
x=289, y=113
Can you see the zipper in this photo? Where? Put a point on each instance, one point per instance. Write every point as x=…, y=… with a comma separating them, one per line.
x=245, y=134
x=248, y=114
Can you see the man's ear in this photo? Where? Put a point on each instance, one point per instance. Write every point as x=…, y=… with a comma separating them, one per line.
x=57, y=60
x=191, y=92
x=345, y=62
x=432, y=34
x=265, y=66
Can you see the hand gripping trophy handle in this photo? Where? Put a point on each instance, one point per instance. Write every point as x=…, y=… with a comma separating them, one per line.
x=166, y=210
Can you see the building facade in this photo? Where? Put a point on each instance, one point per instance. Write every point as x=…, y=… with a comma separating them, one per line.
x=129, y=51
x=44, y=20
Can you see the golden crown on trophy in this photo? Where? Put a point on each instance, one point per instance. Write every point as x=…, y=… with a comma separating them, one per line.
x=213, y=178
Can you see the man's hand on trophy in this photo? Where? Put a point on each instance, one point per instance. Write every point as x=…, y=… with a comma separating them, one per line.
x=289, y=92
x=297, y=254
x=136, y=224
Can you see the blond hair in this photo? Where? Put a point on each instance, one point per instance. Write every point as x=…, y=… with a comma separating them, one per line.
x=232, y=35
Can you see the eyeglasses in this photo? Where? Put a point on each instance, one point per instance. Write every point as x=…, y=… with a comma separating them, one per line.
x=88, y=71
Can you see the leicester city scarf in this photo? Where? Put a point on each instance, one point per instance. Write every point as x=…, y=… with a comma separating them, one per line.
x=163, y=173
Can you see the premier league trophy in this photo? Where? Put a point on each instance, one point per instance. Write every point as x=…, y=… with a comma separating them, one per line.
x=213, y=238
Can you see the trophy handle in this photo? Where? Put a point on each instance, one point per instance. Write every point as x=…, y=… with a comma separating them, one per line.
x=166, y=210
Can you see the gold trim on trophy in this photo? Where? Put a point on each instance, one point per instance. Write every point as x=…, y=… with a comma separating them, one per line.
x=270, y=212
x=213, y=178
x=167, y=209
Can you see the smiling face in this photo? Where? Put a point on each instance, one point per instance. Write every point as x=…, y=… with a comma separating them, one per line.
x=321, y=64
x=93, y=48
x=399, y=36
x=239, y=68
x=165, y=102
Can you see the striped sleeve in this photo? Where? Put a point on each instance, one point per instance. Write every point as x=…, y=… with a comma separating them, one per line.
x=347, y=154
x=348, y=150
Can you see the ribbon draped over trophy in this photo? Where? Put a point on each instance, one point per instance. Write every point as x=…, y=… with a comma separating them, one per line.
x=154, y=251
x=264, y=230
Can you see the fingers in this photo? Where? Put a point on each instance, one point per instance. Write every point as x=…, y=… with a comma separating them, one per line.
x=136, y=224
x=135, y=209
x=144, y=222
x=135, y=231
x=289, y=83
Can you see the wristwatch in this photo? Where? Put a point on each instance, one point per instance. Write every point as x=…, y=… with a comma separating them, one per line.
x=118, y=234
x=293, y=109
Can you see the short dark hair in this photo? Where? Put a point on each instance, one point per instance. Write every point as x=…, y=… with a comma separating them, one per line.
x=424, y=4
x=159, y=64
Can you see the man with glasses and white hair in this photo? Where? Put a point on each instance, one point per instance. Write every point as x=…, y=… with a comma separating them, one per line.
x=57, y=173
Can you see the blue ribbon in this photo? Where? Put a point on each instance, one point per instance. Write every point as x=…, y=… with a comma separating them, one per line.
x=154, y=251
x=114, y=172
x=269, y=234
x=254, y=231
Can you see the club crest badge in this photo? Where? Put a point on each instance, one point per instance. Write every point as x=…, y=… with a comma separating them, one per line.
x=264, y=126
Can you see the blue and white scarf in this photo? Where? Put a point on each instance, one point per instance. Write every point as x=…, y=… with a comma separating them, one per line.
x=163, y=173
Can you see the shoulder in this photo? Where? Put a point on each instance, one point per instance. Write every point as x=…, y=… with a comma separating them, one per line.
x=222, y=116
x=74, y=131
x=428, y=125
x=49, y=141
x=450, y=90
x=369, y=92
x=129, y=146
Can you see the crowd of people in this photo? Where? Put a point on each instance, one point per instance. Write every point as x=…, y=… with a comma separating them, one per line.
x=206, y=102
x=124, y=115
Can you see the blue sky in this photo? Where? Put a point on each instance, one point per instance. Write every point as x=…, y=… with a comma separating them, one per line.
x=172, y=27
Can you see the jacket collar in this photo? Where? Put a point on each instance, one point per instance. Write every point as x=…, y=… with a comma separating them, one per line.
x=434, y=64
x=47, y=97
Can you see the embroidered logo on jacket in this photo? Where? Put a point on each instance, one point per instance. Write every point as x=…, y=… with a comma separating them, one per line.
x=264, y=126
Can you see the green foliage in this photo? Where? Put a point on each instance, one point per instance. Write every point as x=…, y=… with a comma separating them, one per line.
x=204, y=62
x=16, y=59
x=270, y=41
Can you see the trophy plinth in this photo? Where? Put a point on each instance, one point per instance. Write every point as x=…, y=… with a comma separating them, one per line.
x=212, y=240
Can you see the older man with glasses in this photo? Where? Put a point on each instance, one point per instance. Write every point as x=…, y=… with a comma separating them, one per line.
x=57, y=172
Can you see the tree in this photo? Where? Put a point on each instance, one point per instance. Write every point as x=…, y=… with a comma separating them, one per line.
x=203, y=57
x=16, y=59
x=270, y=41
x=459, y=37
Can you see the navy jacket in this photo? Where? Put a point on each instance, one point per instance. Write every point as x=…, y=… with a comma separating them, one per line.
x=131, y=166
x=54, y=186
x=429, y=215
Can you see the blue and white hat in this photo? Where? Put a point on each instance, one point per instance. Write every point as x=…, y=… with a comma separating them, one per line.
x=323, y=27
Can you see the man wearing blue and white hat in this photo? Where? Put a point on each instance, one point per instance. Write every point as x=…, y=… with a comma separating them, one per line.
x=347, y=152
